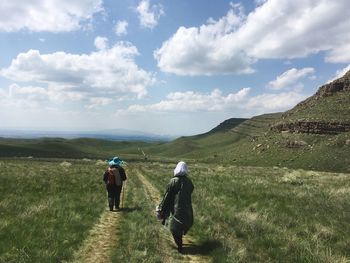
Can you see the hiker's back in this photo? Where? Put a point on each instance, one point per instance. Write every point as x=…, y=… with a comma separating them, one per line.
x=184, y=189
x=115, y=175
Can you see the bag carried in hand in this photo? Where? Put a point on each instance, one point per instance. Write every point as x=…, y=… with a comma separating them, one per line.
x=159, y=213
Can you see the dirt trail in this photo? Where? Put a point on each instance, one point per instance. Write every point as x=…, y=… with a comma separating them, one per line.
x=154, y=194
x=102, y=238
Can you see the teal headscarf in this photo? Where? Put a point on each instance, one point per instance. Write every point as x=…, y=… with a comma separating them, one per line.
x=115, y=161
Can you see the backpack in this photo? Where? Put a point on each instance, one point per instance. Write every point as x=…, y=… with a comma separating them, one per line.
x=113, y=177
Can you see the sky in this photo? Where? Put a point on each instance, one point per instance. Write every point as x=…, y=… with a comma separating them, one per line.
x=164, y=67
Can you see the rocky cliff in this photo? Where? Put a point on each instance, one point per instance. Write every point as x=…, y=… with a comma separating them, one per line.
x=329, y=89
x=326, y=112
x=312, y=127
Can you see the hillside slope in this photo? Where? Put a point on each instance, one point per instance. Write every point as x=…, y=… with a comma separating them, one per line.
x=199, y=145
x=313, y=135
x=326, y=112
x=68, y=148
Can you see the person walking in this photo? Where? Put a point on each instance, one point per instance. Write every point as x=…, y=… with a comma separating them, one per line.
x=113, y=178
x=176, y=206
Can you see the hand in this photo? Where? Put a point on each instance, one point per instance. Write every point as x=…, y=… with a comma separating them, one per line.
x=159, y=215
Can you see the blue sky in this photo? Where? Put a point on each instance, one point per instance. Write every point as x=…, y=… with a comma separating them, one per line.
x=165, y=67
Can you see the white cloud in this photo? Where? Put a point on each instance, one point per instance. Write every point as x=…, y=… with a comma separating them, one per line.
x=279, y=29
x=289, y=78
x=26, y=97
x=38, y=96
x=121, y=28
x=190, y=101
x=291, y=29
x=99, y=101
x=47, y=15
x=109, y=73
x=270, y=102
x=205, y=50
x=340, y=54
x=101, y=43
x=240, y=103
x=149, y=15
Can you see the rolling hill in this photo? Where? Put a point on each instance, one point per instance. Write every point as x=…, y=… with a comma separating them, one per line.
x=315, y=134
x=69, y=148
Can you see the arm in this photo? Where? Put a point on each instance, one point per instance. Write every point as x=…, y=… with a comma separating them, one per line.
x=105, y=177
x=122, y=173
x=167, y=203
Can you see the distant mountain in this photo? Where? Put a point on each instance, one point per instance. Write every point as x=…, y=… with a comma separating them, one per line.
x=115, y=135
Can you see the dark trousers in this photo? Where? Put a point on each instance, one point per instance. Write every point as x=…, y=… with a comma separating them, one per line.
x=114, y=196
x=178, y=241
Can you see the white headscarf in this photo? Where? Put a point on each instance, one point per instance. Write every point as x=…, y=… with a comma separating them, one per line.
x=181, y=169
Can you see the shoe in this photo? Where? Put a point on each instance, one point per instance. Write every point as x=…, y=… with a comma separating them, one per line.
x=111, y=208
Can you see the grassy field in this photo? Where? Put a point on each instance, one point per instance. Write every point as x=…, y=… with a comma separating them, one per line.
x=252, y=201
x=47, y=208
x=142, y=238
x=242, y=214
x=68, y=148
x=267, y=214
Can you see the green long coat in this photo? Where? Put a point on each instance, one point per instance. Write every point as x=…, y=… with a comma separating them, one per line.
x=176, y=205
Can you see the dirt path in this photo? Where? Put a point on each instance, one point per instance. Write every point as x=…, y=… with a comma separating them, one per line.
x=102, y=238
x=154, y=194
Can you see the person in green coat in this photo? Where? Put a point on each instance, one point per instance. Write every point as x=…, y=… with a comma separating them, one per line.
x=176, y=207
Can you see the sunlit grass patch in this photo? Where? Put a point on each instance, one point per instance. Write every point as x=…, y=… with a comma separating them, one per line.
x=242, y=214
x=267, y=214
x=141, y=238
x=47, y=209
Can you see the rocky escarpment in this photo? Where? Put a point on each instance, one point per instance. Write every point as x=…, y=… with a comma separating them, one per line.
x=338, y=85
x=326, y=112
x=312, y=127
x=341, y=84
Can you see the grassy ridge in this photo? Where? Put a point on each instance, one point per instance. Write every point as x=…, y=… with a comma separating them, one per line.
x=252, y=143
x=47, y=208
x=248, y=143
x=266, y=215
x=330, y=108
x=66, y=148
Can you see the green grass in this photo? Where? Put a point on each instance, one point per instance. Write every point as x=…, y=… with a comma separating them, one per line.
x=140, y=237
x=68, y=148
x=247, y=143
x=242, y=214
x=334, y=108
x=267, y=214
x=320, y=152
x=47, y=208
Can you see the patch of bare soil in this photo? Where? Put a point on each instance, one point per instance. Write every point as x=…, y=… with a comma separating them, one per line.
x=102, y=238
